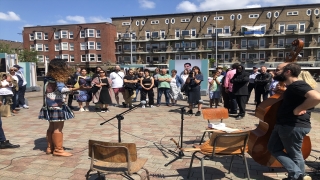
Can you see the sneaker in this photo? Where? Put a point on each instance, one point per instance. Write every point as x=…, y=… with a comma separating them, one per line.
x=25, y=107
x=304, y=177
x=239, y=117
x=86, y=109
x=124, y=104
x=6, y=144
x=198, y=113
x=107, y=109
x=116, y=105
x=103, y=111
x=189, y=112
x=131, y=106
x=151, y=106
x=81, y=110
x=143, y=106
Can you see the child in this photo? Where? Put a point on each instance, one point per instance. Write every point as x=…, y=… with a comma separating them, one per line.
x=214, y=88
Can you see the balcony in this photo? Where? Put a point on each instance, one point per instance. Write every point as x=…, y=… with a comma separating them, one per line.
x=253, y=33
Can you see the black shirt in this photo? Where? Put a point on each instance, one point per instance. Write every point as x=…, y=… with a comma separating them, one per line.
x=129, y=85
x=292, y=98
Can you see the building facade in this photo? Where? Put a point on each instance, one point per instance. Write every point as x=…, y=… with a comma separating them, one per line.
x=253, y=37
x=83, y=45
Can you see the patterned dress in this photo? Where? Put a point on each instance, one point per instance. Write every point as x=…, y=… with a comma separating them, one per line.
x=54, y=97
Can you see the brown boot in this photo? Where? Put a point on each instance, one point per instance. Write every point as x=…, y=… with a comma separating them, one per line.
x=50, y=147
x=58, y=145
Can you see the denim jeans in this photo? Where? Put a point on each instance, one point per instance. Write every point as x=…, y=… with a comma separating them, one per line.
x=139, y=88
x=166, y=95
x=289, y=138
x=2, y=136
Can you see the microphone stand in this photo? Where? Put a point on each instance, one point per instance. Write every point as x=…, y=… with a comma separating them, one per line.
x=180, y=153
x=120, y=118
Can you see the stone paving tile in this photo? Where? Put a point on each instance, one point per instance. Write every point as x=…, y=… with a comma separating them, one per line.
x=146, y=127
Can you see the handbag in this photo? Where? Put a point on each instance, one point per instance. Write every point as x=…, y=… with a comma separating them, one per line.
x=5, y=110
x=77, y=85
x=94, y=89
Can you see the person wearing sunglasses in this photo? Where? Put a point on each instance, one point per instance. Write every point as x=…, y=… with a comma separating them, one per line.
x=102, y=96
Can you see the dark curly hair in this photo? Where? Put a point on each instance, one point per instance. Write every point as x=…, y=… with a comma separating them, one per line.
x=59, y=70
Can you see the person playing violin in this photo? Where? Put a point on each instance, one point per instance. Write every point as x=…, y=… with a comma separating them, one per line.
x=293, y=121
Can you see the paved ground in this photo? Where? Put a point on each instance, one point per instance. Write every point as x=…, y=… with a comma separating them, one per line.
x=146, y=127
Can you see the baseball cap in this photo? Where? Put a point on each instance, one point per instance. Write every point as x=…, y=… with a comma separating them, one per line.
x=254, y=67
x=17, y=66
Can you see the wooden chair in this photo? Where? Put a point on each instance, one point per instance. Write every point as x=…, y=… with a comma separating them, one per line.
x=213, y=114
x=221, y=145
x=115, y=158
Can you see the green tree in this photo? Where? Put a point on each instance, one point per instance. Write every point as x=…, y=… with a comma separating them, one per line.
x=5, y=48
x=212, y=62
x=28, y=56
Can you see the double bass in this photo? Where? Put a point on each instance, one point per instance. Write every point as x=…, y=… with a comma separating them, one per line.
x=267, y=113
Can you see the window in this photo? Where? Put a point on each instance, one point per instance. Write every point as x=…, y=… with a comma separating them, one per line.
x=64, y=46
x=99, y=58
x=32, y=47
x=90, y=33
x=40, y=58
x=302, y=27
x=193, y=56
x=143, y=22
x=239, y=16
x=316, y=12
x=57, y=47
x=280, y=54
x=198, y=19
x=209, y=56
x=218, y=18
x=204, y=18
x=308, y=12
x=276, y=14
x=219, y=44
x=31, y=36
x=125, y=23
x=262, y=43
x=262, y=55
x=148, y=47
x=71, y=47
x=91, y=45
x=83, y=46
x=155, y=22
x=65, y=56
x=227, y=30
x=193, y=44
x=57, y=56
x=70, y=35
x=209, y=44
x=243, y=43
x=71, y=58
x=269, y=15
x=232, y=16
x=147, y=34
x=82, y=34
x=56, y=35
x=166, y=21
x=252, y=43
x=126, y=47
x=64, y=34
x=98, y=44
x=91, y=57
x=177, y=56
x=177, y=33
x=218, y=30
x=209, y=30
x=98, y=33
x=185, y=20
x=45, y=36
x=280, y=43
x=155, y=34
x=292, y=27
x=163, y=45
x=39, y=35
x=83, y=58
x=292, y=13
x=185, y=32
x=46, y=47
x=39, y=47
x=282, y=28
x=47, y=58
x=253, y=15
x=162, y=34
x=185, y=57
x=173, y=21
x=193, y=32
x=227, y=44
x=177, y=45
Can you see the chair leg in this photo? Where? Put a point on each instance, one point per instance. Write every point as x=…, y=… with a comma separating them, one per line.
x=202, y=138
x=202, y=169
x=245, y=161
x=192, y=157
x=230, y=167
x=87, y=175
x=147, y=172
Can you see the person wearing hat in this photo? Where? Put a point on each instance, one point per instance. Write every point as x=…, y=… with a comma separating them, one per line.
x=251, y=84
x=22, y=87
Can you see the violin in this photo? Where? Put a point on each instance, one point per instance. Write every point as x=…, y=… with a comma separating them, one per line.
x=267, y=113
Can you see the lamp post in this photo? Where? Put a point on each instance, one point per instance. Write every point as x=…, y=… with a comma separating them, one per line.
x=131, y=60
x=216, y=40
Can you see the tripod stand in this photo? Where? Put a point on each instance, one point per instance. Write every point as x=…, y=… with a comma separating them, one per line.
x=180, y=154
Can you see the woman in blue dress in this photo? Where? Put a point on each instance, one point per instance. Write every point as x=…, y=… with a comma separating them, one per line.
x=54, y=109
x=84, y=94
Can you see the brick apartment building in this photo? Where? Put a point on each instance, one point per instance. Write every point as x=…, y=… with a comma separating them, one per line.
x=254, y=37
x=16, y=46
x=85, y=45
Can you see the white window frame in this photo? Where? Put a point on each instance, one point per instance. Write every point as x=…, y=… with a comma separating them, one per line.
x=162, y=34
x=56, y=35
x=82, y=34
x=310, y=12
x=198, y=19
x=243, y=56
x=45, y=36
x=64, y=34
x=175, y=33
x=185, y=57
x=46, y=47
x=215, y=30
x=83, y=46
x=253, y=41
x=66, y=56
x=185, y=31
x=205, y=19
x=209, y=55
x=193, y=44
x=264, y=55
x=99, y=58
x=244, y=43
x=210, y=29
x=253, y=15
x=31, y=36
x=98, y=45
x=226, y=44
x=177, y=45
x=269, y=14
x=137, y=22
x=211, y=42
x=155, y=22
x=195, y=33
x=304, y=27
x=281, y=52
x=162, y=58
x=85, y=58
x=292, y=24
x=226, y=56
x=239, y=16
x=91, y=57
x=193, y=56
x=71, y=58
x=262, y=45
x=143, y=22
x=90, y=33
x=316, y=11
x=125, y=23
x=32, y=47
x=64, y=46
x=39, y=47
x=70, y=35
x=167, y=21
x=218, y=18
x=256, y=54
x=98, y=33
x=276, y=14
x=71, y=47
x=279, y=44
x=225, y=28
x=38, y=35
x=232, y=17
x=119, y=59
x=40, y=58
x=177, y=57
x=46, y=58
x=147, y=34
x=292, y=13
x=148, y=59
x=284, y=28
x=91, y=45
x=148, y=47
x=173, y=20
x=57, y=47
x=185, y=20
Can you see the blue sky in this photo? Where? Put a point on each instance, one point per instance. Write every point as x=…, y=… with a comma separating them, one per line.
x=15, y=14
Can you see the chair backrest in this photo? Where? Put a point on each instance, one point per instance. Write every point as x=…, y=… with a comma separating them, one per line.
x=112, y=152
x=229, y=143
x=215, y=113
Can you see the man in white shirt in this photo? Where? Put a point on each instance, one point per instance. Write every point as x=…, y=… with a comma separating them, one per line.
x=22, y=87
x=117, y=83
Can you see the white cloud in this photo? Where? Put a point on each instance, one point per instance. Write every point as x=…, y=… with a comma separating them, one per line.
x=187, y=6
x=62, y=21
x=77, y=19
x=28, y=25
x=253, y=6
x=11, y=16
x=99, y=19
x=147, y=4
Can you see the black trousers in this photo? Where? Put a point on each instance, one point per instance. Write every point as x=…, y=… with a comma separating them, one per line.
x=2, y=136
x=225, y=97
x=150, y=94
x=250, y=88
x=21, y=92
x=70, y=99
x=258, y=93
x=233, y=103
x=241, y=101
